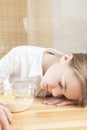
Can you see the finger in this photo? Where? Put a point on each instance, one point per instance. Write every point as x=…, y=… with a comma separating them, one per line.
x=8, y=114
x=53, y=101
x=4, y=120
x=49, y=100
x=67, y=103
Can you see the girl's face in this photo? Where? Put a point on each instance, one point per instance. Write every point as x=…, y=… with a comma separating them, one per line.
x=60, y=80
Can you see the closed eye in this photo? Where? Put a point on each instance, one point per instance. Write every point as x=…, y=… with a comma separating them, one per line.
x=61, y=86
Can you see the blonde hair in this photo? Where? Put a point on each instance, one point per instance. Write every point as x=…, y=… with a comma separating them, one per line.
x=79, y=65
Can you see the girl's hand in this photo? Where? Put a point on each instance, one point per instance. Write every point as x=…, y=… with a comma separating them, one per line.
x=5, y=118
x=59, y=101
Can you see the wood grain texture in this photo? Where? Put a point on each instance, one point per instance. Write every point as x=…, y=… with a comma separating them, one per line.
x=50, y=117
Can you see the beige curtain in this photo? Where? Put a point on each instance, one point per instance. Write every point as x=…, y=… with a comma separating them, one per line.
x=40, y=23
x=12, y=31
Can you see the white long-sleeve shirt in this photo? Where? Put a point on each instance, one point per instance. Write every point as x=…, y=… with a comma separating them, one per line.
x=24, y=62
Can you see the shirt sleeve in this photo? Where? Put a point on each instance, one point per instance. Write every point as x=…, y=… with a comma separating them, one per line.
x=9, y=64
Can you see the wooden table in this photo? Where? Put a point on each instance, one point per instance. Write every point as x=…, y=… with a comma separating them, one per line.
x=50, y=117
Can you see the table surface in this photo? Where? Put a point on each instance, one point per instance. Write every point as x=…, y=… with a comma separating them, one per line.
x=50, y=117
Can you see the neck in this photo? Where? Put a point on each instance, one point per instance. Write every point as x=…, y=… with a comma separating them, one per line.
x=48, y=60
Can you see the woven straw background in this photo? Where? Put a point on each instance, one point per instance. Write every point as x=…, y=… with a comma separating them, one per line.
x=39, y=24
x=12, y=32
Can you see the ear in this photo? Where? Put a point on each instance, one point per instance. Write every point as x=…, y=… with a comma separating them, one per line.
x=66, y=58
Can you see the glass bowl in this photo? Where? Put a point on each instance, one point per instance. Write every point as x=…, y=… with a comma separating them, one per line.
x=20, y=97
x=2, y=79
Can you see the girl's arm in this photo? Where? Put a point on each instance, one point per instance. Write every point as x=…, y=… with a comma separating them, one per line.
x=9, y=63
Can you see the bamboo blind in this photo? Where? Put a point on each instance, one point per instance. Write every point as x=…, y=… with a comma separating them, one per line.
x=40, y=23
x=12, y=32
